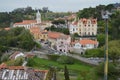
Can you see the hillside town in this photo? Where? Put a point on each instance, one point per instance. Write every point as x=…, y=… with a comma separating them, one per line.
x=44, y=45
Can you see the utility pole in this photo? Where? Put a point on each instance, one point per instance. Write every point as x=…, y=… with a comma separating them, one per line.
x=105, y=16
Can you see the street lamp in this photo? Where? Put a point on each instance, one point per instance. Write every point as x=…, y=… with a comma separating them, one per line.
x=105, y=16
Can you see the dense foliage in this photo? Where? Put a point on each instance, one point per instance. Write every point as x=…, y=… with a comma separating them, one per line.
x=94, y=12
x=99, y=52
x=16, y=62
x=57, y=22
x=16, y=38
x=66, y=73
x=113, y=51
x=62, y=30
x=113, y=74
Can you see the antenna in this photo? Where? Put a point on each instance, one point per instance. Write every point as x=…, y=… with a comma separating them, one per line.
x=105, y=14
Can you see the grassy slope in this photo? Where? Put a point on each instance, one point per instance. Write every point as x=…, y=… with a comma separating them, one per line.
x=43, y=63
x=76, y=70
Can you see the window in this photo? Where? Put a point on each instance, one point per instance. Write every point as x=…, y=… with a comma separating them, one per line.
x=85, y=33
x=80, y=32
x=79, y=29
x=88, y=33
x=60, y=49
x=92, y=33
x=73, y=29
x=7, y=73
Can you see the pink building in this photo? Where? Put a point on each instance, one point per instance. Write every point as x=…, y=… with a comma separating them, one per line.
x=63, y=43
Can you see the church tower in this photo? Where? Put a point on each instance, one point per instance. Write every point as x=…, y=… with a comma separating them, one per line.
x=38, y=17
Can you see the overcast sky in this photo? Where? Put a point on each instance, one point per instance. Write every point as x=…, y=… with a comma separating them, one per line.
x=53, y=5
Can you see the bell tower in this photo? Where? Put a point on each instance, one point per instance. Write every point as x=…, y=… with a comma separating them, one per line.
x=38, y=17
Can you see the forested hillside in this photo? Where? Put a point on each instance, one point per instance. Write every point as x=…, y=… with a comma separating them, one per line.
x=19, y=14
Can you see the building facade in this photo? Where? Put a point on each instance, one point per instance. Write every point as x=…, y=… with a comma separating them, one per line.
x=63, y=43
x=85, y=44
x=84, y=27
x=38, y=34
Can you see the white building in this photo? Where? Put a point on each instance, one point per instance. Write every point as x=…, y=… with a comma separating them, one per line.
x=84, y=27
x=29, y=23
x=21, y=73
x=85, y=44
x=16, y=54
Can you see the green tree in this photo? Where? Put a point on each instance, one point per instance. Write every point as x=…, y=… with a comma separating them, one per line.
x=51, y=74
x=16, y=62
x=101, y=39
x=66, y=73
x=57, y=22
x=114, y=52
x=5, y=57
x=65, y=60
x=113, y=72
x=115, y=23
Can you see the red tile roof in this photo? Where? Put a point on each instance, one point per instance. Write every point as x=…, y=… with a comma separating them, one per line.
x=84, y=20
x=46, y=71
x=35, y=30
x=7, y=29
x=85, y=41
x=29, y=55
x=54, y=35
x=3, y=65
x=16, y=67
x=88, y=41
x=75, y=23
x=13, y=55
x=26, y=22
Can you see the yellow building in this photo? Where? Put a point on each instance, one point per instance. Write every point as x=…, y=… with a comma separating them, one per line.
x=38, y=34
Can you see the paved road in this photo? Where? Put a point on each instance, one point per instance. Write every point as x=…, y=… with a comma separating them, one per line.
x=47, y=50
x=86, y=60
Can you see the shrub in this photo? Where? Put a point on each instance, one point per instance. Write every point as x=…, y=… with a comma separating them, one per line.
x=65, y=60
x=17, y=62
x=99, y=52
x=4, y=57
x=53, y=57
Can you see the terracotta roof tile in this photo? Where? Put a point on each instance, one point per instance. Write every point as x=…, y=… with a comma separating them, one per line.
x=16, y=67
x=54, y=35
x=3, y=65
x=46, y=71
x=7, y=29
x=14, y=54
x=30, y=55
x=35, y=30
x=75, y=23
x=85, y=41
x=26, y=22
x=88, y=41
x=84, y=20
